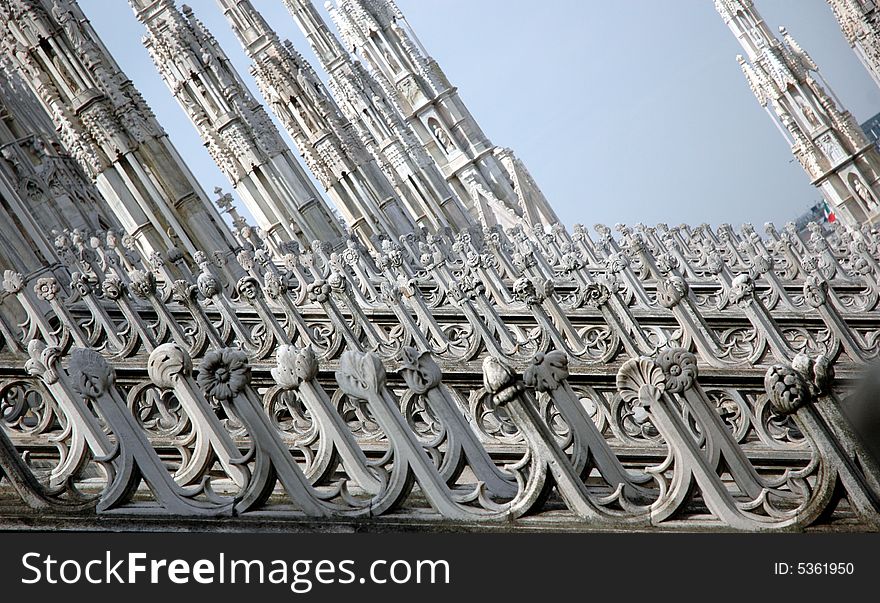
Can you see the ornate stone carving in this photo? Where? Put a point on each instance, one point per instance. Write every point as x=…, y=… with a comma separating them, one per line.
x=47, y=288
x=786, y=389
x=671, y=291
x=224, y=373
x=166, y=363
x=90, y=374
x=294, y=366
x=500, y=381
x=360, y=374
x=679, y=369
x=547, y=371
x=419, y=370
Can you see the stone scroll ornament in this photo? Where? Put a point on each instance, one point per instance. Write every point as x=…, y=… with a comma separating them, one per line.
x=224, y=376
x=295, y=373
x=548, y=373
x=463, y=449
x=170, y=367
x=63, y=498
x=803, y=390
x=133, y=458
x=361, y=375
x=663, y=387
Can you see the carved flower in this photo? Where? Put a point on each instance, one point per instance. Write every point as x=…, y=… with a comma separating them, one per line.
x=861, y=266
x=13, y=282
x=680, y=369
x=47, y=288
x=350, y=256
x=224, y=373
x=319, y=291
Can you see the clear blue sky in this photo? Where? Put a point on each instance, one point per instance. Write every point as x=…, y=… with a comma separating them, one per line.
x=623, y=111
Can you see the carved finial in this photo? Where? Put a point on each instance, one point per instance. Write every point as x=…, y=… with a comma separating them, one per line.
x=787, y=389
x=500, y=381
x=547, y=371
x=671, y=291
x=360, y=374
x=294, y=366
x=112, y=287
x=419, y=370
x=143, y=284
x=596, y=294
x=166, y=363
x=742, y=289
x=43, y=360
x=13, y=281
x=640, y=381
x=91, y=375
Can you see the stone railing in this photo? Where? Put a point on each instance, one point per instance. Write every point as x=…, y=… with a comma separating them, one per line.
x=664, y=377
